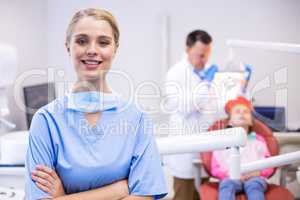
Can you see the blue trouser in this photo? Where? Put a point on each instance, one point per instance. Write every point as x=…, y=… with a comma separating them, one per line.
x=254, y=188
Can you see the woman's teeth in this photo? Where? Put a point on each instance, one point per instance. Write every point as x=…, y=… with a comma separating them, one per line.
x=91, y=62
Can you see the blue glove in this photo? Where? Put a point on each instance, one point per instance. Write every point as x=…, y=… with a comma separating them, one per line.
x=208, y=74
x=247, y=76
x=248, y=72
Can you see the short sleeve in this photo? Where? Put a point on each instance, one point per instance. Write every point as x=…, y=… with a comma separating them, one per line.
x=40, y=151
x=146, y=177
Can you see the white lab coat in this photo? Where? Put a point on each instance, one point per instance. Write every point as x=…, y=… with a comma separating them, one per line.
x=194, y=108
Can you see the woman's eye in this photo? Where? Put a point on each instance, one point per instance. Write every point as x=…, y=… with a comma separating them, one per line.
x=81, y=41
x=104, y=43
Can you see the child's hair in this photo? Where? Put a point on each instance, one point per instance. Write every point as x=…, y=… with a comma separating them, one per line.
x=239, y=100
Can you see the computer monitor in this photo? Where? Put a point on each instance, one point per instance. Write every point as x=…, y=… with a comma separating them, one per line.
x=36, y=96
x=273, y=117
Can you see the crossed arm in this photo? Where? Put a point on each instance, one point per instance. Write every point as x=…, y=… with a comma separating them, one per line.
x=48, y=181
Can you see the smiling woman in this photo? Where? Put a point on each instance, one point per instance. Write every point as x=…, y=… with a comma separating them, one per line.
x=88, y=145
x=92, y=40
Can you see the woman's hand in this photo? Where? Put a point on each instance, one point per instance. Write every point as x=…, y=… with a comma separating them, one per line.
x=47, y=180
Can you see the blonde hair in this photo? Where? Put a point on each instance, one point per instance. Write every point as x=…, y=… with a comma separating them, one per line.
x=99, y=14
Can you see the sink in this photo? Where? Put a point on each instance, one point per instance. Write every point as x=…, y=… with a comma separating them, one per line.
x=13, y=147
x=11, y=193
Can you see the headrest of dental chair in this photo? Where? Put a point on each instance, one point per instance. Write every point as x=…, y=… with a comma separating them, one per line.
x=259, y=127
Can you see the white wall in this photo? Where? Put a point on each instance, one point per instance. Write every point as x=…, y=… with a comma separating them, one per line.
x=140, y=50
x=37, y=29
x=22, y=24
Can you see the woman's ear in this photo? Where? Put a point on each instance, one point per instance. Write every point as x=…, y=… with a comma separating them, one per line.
x=116, y=49
x=67, y=47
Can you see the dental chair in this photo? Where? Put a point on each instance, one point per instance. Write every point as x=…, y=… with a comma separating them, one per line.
x=209, y=190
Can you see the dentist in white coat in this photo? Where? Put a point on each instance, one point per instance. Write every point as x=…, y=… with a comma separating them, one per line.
x=191, y=102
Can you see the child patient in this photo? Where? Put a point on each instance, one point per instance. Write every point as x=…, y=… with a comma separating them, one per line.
x=253, y=184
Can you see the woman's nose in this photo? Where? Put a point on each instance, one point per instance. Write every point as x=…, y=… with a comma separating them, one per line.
x=92, y=50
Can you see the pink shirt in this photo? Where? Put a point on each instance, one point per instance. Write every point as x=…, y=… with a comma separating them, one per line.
x=255, y=149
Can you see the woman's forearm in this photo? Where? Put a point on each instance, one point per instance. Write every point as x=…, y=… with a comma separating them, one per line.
x=96, y=194
x=131, y=197
x=115, y=191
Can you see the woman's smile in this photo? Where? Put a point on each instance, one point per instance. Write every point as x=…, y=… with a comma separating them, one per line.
x=91, y=64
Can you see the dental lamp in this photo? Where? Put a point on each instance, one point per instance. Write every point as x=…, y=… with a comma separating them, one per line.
x=232, y=138
x=273, y=46
x=8, y=68
x=209, y=141
x=11, y=146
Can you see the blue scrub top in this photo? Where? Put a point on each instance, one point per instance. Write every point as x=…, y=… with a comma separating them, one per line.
x=120, y=146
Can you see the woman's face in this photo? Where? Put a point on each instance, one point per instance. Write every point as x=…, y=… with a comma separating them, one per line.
x=91, y=48
x=240, y=116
